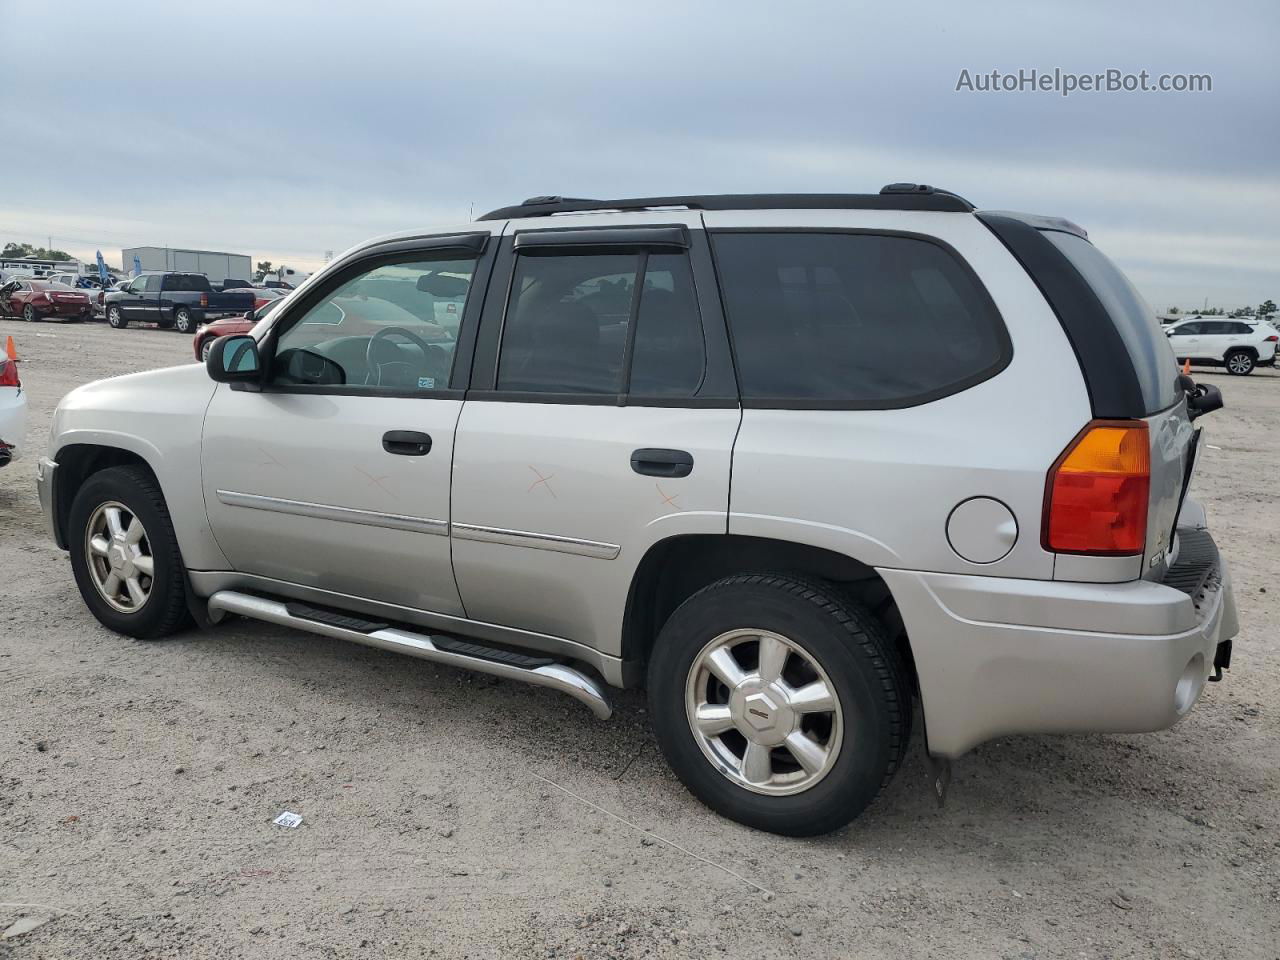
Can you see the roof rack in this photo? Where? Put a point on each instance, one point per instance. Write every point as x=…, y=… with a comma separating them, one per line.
x=894, y=196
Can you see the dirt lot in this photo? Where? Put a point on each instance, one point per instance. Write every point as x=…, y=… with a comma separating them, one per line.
x=450, y=815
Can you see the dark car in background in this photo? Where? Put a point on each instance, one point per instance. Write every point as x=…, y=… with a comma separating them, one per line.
x=38, y=299
x=179, y=300
x=100, y=298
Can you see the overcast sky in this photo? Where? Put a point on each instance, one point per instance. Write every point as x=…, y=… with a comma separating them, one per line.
x=280, y=131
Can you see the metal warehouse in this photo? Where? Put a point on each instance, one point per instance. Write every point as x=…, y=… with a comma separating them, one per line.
x=215, y=265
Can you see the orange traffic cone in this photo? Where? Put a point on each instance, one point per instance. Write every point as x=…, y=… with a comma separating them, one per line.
x=11, y=350
x=1186, y=364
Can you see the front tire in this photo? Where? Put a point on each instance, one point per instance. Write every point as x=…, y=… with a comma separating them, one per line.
x=125, y=556
x=115, y=317
x=779, y=702
x=183, y=322
x=1240, y=363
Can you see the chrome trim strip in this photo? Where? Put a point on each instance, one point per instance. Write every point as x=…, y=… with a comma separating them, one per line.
x=557, y=676
x=205, y=583
x=322, y=511
x=538, y=541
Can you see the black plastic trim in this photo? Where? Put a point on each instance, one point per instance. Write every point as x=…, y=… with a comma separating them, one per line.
x=937, y=200
x=555, y=240
x=901, y=403
x=601, y=399
x=1115, y=392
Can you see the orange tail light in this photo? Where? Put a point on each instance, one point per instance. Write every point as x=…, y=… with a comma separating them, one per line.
x=1097, y=493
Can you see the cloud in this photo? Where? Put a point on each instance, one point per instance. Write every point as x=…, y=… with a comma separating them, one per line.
x=288, y=129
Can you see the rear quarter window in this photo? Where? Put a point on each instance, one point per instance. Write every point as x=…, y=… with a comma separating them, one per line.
x=854, y=320
x=1135, y=322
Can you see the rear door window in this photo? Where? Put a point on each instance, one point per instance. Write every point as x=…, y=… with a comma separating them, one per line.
x=569, y=326
x=854, y=321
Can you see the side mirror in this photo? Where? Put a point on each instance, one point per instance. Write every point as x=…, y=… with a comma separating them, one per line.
x=234, y=360
x=251, y=315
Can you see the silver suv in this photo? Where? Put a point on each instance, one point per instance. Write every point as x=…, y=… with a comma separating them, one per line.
x=794, y=462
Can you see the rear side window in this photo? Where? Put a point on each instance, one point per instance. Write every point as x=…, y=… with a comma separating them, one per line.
x=855, y=321
x=574, y=326
x=1135, y=322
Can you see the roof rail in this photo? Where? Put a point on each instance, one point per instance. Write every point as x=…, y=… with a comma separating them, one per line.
x=894, y=196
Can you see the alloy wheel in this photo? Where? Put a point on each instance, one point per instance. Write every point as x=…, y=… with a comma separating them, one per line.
x=1240, y=363
x=764, y=712
x=119, y=557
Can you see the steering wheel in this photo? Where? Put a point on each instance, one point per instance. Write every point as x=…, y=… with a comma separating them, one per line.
x=406, y=369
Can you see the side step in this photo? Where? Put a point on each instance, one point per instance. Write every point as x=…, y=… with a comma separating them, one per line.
x=539, y=671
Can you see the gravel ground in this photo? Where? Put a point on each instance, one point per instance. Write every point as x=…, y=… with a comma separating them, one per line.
x=449, y=815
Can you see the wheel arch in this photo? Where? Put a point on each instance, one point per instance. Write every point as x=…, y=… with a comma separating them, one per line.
x=675, y=568
x=77, y=462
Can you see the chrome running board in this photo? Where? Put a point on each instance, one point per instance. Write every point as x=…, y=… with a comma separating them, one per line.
x=557, y=676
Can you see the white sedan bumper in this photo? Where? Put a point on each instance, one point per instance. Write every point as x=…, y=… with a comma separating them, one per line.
x=13, y=423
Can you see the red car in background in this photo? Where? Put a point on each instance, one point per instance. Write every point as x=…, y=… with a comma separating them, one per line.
x=264, y=295
x=37, y=299
x=228, y=326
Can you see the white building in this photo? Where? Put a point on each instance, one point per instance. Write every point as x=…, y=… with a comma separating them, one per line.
x=31, y=267
x=215, y=265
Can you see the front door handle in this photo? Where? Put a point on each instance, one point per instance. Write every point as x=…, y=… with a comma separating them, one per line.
x=406, y=443
x=659, y=462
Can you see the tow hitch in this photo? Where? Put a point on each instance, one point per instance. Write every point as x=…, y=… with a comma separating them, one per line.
x=1221, y=660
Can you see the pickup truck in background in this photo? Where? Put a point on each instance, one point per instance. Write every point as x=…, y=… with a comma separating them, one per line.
x=179, y=300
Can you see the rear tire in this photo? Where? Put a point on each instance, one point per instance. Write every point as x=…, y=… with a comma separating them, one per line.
x=183, y=322
x=115, y=317
x=1240, y=363
x=29, y=314
x=104, y=544
x=737, y=756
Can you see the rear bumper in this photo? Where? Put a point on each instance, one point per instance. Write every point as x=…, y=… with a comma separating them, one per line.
x=65, y=309
x=997, y=656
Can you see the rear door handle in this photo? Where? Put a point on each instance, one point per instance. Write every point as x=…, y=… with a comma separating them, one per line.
x=406, y=443
x=660, y=462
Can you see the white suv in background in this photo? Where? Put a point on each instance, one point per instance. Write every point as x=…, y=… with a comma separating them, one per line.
x=795, y=463
x=1238, y=345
